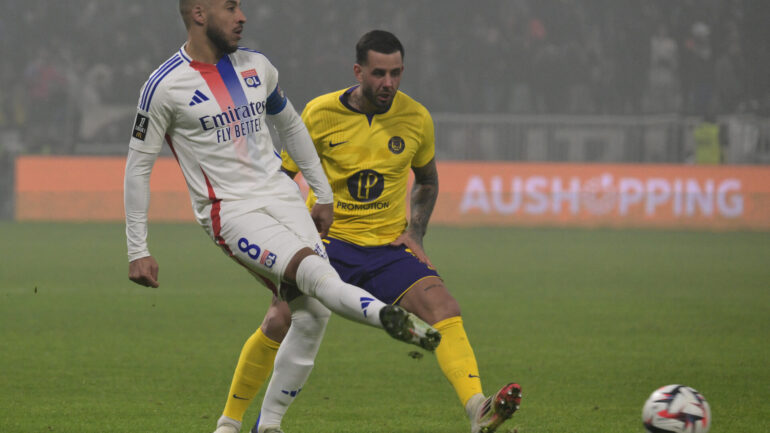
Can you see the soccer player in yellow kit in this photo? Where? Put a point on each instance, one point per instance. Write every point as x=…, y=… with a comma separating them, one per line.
x=368, y=138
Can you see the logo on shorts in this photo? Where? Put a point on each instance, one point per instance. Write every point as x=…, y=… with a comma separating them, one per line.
x=140, y=126
x=396, y=145
x=264, y=257
x=366, y=185
x=320, y=250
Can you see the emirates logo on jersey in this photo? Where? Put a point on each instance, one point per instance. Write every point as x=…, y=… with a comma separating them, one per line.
x=235, y=122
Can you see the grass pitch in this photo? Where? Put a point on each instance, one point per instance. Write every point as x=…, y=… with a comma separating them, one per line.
x=590, y=322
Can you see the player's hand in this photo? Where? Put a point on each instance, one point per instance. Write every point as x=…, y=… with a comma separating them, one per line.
x=144, y=271
x=407, y=240
x=323, y=216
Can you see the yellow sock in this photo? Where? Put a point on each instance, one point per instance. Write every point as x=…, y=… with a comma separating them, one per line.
x=456, y=359
x=254, y=366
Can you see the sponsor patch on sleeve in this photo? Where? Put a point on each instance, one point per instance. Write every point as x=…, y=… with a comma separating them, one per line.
x=276, y=101
x=140, y=126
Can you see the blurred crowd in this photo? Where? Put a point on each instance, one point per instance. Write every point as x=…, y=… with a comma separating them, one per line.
x=73, y=68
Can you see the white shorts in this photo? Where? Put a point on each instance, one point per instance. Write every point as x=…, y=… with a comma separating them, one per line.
x=265, y=239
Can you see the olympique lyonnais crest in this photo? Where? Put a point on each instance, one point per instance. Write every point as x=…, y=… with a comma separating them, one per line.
x=251, y=78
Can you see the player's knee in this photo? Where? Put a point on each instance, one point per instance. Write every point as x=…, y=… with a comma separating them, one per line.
x=290, y=273
x=276, y=322
x=449, y=308
x=309, y=315
x=431, y=302
x=319, y=310
x=441, y=308
x=312, y=271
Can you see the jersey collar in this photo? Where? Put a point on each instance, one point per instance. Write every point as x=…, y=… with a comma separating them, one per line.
x=198, y=66
x=184, y=54
x=345, y=100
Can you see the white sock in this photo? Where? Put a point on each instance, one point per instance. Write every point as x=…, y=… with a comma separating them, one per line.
x=317, y=278
x=472, y=405
x=226, y=420
x=294, y=360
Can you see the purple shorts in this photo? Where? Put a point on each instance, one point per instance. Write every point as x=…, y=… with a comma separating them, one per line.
x=386, y=272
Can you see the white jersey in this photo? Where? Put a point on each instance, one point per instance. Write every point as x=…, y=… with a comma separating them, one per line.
x=213, y=119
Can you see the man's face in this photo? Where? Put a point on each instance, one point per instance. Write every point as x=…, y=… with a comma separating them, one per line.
x=225, y=24
x=380, y=77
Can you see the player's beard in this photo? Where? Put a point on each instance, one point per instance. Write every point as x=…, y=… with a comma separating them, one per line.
x=217, y=37
x=369, y=95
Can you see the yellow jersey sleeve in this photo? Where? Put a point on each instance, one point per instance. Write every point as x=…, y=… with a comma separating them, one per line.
x=427, y=149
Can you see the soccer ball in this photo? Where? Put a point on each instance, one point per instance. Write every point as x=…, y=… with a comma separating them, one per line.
x=676, y=409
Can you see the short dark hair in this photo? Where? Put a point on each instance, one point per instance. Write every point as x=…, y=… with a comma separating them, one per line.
x=380, y=41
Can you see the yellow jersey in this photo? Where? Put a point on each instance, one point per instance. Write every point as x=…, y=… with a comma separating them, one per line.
x=367, y=159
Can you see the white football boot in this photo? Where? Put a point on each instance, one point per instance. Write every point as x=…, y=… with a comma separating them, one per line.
x=488, y=414
x=405, y=326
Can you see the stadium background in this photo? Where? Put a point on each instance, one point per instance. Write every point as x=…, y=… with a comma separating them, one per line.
x=606, y=114
x=562, y=81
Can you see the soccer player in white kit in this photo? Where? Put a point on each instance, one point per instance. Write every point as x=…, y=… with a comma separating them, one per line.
x=209, y=103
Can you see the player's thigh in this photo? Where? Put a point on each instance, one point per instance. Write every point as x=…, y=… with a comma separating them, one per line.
x=262, y=244
x=295, y=216
x=394, y=275
x=430, y=300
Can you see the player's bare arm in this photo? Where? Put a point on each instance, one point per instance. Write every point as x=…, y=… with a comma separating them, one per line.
x=323, y=216
x=424, y=195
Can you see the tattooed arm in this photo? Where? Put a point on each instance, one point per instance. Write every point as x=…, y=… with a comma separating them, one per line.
x=424, y=194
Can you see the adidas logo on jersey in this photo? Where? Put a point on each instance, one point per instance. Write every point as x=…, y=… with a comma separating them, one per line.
x=198, y=98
